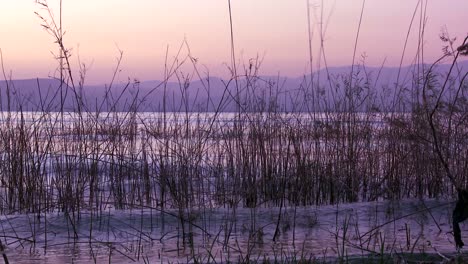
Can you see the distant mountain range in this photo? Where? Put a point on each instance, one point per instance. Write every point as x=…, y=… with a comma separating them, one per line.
x=372, y=88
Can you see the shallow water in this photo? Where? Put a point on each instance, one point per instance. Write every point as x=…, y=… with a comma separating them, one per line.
x=150, y=235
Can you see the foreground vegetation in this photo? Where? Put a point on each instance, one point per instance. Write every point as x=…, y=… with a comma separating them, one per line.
x=341, y=144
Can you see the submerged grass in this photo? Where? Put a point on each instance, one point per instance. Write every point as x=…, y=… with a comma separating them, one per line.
x=340, y=146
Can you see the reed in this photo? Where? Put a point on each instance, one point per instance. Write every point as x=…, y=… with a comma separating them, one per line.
x=186, y=160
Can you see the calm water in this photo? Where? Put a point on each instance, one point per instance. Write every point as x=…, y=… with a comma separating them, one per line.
x=155, y=236
x=205, y=234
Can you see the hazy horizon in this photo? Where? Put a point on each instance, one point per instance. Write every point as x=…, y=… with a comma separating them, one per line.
x=274, y=30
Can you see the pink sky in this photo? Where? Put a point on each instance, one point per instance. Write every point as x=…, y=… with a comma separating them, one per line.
x=275, y=29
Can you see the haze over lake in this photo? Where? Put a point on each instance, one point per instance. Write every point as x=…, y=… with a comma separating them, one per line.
x=233, y=131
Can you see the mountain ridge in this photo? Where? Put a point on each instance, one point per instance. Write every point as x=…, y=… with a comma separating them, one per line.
x=207, y=94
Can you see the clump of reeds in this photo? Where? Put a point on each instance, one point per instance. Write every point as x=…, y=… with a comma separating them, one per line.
x=329, y=151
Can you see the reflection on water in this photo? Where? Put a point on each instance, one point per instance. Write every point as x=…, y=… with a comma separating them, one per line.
x=150, y=235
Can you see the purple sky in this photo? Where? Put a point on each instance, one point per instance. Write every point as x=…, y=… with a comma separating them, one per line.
x=273, y=29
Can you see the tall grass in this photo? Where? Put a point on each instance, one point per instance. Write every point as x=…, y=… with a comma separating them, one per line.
x=86, y=161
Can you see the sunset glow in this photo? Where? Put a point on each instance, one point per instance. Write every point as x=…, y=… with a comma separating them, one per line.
x=273, y=29
x=233, y=131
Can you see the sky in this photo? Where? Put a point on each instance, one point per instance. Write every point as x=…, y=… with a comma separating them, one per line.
x=274, y=30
